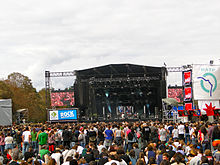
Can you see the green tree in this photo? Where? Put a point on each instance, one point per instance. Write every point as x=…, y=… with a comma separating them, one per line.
x=5, y=92
x=24, y=95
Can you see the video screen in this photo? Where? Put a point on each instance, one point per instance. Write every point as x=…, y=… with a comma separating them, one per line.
x=59, y=99
x=176, y=93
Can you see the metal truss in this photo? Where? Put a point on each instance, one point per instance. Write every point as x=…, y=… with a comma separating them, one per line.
x=179, y=69
x=48, y=75
x=62, y=74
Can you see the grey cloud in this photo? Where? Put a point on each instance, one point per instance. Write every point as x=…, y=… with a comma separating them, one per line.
x=58, y=36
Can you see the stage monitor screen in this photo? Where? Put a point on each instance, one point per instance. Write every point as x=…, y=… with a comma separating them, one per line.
x=176, y=93
x=63, y=114
x=63, y=99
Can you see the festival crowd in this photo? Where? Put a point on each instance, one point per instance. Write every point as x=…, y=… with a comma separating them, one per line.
x=134, y=143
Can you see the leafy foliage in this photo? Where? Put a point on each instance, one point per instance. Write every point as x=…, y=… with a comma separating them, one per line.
x=24, y=96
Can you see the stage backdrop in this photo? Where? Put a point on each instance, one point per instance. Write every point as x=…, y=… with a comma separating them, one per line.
x=206, y=82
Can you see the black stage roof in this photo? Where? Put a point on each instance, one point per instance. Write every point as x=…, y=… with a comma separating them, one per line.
x=119, y=70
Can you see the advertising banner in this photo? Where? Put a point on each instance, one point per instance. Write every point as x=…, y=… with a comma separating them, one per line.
x=67, y=114
x=187, y=77
x=187, y=93
x=188, y=106
x=206, y=82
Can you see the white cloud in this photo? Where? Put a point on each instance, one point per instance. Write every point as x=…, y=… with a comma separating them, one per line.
x=70, y=35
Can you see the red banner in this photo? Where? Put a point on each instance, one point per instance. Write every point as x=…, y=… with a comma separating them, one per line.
x=188, y=106
x=187, y=77
x=188, y=93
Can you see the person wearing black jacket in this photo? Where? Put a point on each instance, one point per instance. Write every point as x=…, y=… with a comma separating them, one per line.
x=146, y=133
x=66, y=137
x=18, y=138
x=103, y=159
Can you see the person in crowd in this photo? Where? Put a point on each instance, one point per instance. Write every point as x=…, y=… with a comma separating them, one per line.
x=216, y=136
x=132, y=138
x=42, y=138
x=9, y=141
x=57, y=156
x=51, y=140
x=146, y=133
x=203, y=138
x=26, y=139
x=118, y=135
x=2, y=142
x=133, y=157
x=92, y=135
x=216, y=155
x=34, y=140
x=108, y=137
x=181, y=130
x=66, y=135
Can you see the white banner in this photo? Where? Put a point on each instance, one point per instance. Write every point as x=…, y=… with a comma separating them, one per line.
x=202, y=105
x=206, y=82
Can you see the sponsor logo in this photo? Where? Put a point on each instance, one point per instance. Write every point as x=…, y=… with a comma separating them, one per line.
x=211, y=84
x=69, y=114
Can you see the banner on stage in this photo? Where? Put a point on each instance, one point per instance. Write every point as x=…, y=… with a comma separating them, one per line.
x=67, y=114
x=206, y=82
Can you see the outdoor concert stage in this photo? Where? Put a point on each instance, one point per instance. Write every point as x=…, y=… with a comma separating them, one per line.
x=120, y=92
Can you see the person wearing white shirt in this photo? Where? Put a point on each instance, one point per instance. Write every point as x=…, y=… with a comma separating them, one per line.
x=175, y=133
x=181, y=130
x=26, y=138
x=111, y=160
x=9, y=142
x=57, y=155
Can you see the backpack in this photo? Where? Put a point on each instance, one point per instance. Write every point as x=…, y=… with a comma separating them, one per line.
x=138, y=135
x=130, y=136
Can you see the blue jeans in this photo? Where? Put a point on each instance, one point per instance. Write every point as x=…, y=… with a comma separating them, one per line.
x=35, y=146
x=8, y=146
x=26, y=146
x=130, y=146
x=187, y=138
x=2, y=147
x=82, y=144
x=193, y=141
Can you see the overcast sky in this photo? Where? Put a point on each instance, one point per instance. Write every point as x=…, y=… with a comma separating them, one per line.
x=39, y=35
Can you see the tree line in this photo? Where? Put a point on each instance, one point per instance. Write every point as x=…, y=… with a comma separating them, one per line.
x=19, y=88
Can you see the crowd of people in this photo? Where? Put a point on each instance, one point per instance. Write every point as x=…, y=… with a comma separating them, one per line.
x=133, y=143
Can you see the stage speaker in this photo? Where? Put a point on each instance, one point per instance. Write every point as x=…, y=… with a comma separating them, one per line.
x=156, y=112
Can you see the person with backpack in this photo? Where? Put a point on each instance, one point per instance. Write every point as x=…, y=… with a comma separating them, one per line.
x=132, y=138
